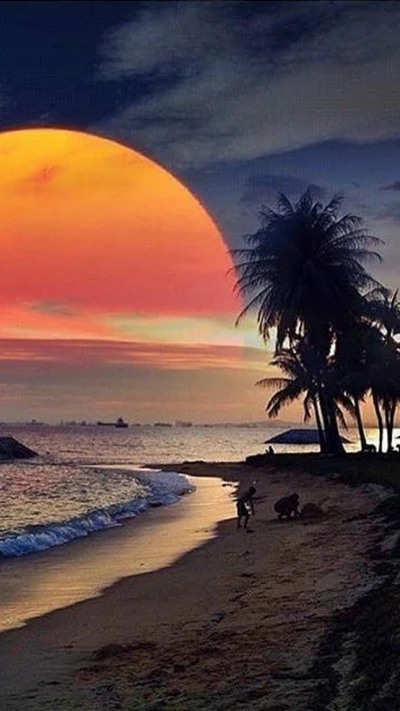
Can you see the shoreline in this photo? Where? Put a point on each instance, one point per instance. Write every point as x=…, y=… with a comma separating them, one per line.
x=34, y=585
x=240, y=617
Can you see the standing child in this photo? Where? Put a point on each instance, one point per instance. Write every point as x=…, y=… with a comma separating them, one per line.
x=245, y=507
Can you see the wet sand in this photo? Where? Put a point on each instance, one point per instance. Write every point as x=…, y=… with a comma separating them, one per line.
x=236, y=623
x=35, y=585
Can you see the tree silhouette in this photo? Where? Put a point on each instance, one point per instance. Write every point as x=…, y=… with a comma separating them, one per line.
x=303, y=273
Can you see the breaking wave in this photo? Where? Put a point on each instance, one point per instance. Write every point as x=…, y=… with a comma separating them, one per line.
x=160, y=489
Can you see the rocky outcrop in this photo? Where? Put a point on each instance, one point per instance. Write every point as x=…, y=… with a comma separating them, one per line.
x=10, y=448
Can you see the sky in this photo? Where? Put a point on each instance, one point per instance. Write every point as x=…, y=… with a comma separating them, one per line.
x=187, y=117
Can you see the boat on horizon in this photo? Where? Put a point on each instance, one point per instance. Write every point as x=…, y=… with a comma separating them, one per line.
x=119, y=423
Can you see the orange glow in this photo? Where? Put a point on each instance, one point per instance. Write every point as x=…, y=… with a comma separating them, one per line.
x=90, y=227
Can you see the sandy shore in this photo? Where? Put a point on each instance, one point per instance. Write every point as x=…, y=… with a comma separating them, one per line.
x=235, y=624
x=35, y=585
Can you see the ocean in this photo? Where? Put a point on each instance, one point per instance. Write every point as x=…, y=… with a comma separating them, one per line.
x=88, y=511
x=89, y=478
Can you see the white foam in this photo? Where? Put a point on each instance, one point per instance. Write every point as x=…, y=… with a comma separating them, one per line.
x=163, y=488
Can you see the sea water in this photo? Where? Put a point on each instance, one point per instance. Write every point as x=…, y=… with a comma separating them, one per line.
x=87, y=478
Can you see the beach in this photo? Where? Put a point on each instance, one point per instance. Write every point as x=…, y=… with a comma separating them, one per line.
x=238, y=622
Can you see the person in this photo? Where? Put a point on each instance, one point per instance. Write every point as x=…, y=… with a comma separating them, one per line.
x=245, y=507
x=287, y=506
x=270, y=450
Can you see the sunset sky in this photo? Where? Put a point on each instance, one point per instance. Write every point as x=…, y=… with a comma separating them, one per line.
x=139, y=141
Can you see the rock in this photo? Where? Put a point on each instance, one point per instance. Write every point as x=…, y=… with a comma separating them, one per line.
x=10, y=448
x=311, y=511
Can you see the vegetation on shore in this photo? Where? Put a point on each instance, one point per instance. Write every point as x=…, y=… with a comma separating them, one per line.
x=355, y=468
x=304, y=273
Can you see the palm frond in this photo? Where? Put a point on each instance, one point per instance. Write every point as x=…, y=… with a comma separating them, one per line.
x=273, y=382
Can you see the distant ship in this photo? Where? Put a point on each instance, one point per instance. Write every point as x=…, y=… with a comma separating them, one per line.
x=119, y=423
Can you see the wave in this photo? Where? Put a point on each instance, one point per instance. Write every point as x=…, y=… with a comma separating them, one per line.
x=162, y=489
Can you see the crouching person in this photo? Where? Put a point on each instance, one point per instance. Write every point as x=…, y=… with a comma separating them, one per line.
x=287, y=506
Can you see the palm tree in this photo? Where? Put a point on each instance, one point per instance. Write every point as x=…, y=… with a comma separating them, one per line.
x=385, y=313
x=367, y=359
x=385, y=386
x=355, y=363
x=304, y=372
x=301, y=366
x=303, y=273
x=384, y=310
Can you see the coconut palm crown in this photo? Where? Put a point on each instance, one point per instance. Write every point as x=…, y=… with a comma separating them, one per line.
x=303, y=269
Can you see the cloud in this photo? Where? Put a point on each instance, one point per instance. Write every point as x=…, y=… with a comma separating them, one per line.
x=393, y=186
x=264, y=188
x=390, y=212
x=29, y=355
x=56, y=308
x=235, y=81
x=82, y=379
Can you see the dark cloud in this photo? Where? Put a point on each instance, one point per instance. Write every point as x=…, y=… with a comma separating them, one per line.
x=242, y=80
x=174, y=38
x=264, y=188
x=390, y=212
x=392, y=186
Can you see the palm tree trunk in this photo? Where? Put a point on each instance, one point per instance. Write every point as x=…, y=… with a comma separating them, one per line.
x=359, y=421
x=333, y=443
x=386, y=411
x=318, y=421
x=393, y=414
x=325, y=419
x=379, y=420
x=392, y=405
x=336, y=442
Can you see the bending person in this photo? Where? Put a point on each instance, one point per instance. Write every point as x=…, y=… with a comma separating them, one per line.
x=287, y=506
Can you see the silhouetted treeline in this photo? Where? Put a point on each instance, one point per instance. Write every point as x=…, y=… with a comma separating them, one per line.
x=304, y=273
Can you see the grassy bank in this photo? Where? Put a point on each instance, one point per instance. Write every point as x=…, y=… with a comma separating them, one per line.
x=353, y=468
